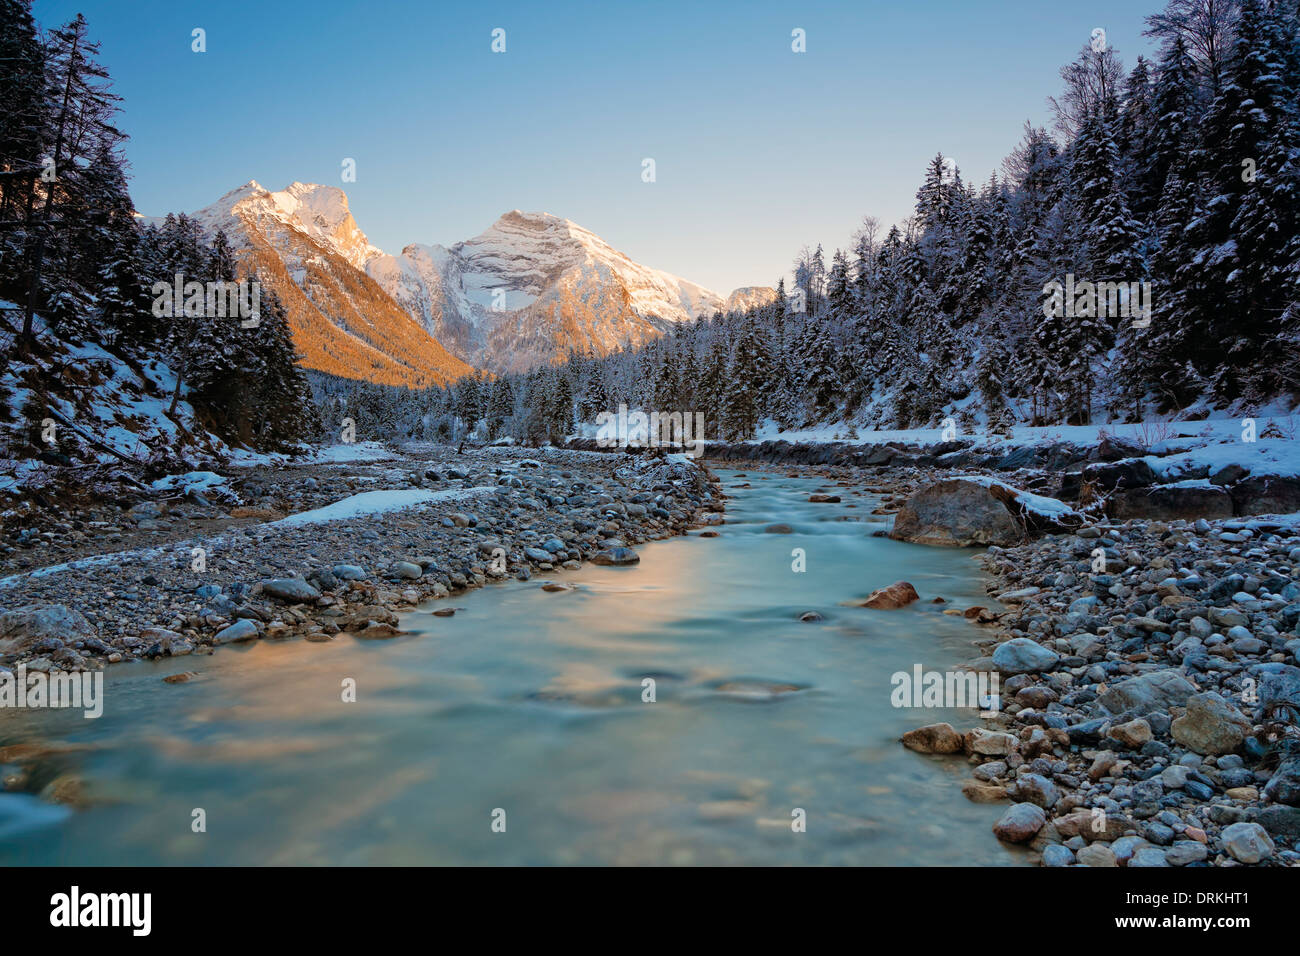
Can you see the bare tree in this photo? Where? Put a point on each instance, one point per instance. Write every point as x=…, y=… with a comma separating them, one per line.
x=1092, y=82
x=1208, y=27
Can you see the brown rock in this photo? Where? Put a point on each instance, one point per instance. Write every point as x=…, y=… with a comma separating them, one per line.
x=934, y=739
x=899, y=594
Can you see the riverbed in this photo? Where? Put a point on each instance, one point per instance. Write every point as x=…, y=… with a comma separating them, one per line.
x=675, y=712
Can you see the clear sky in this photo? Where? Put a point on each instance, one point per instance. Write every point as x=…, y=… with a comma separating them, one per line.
x=758, y=150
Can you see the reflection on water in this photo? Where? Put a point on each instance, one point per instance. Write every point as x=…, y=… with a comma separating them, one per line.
x=532, y=703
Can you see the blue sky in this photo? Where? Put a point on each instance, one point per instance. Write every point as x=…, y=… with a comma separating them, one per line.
x=758, y=150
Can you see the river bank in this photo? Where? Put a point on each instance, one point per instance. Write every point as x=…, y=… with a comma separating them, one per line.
x=279, y=552
x=1149, y=687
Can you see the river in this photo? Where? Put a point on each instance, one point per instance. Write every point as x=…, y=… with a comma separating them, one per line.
x=519, y=730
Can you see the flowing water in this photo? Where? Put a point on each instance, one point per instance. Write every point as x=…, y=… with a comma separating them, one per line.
x=527, y=708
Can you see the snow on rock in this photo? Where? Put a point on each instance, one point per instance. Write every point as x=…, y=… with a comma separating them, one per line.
x=974, y=511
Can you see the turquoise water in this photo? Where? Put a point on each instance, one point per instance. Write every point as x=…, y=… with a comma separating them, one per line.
x=531, y=703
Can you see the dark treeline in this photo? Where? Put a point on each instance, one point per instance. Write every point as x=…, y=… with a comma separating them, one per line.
x=79, y=268
x=1183, y=173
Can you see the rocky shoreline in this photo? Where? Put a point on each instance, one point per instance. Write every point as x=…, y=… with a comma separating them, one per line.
x=426, y=523
x=1149, y=693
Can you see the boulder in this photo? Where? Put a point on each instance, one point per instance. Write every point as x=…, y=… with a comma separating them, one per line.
x=1210, y=725
x=899, y=594
x=25, y=626
x=975, y=512
x=1178, y=502
x=1266, y=494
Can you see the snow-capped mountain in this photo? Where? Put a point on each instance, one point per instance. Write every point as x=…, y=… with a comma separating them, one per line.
x=308, y=249
x=533, y=286
x=526, y=291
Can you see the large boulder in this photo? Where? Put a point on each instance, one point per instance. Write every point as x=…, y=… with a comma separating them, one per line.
x=1266, y=494
x=1183, y=501
x=972, y=511
x=23, y=627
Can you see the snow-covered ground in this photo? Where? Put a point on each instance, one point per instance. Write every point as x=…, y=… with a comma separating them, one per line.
x=369, y=503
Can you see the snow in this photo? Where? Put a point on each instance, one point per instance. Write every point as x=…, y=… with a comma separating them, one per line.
x=1038, y=504
x=369, y=503
x=190, y=481
x=1178, y=447
x=361, y=451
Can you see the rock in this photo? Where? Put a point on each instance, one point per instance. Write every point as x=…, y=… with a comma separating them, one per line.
x=1020, y=823
x=1133, y=734
x=1097, y=854
x=616, y=556
x=1175, y=777
x=1157, y=690
x=242, y=630
x=1057, y=855
x=824, y=499
x=1170, y=503
x=1184, y=852
x=1020, y=655
x=1149, y=856
x=1247, y=842
x=26, y=626
x=1284, y=786
x=977, y=792
x=990, y=743
x=1211, y=725
x=1037, y=789
x=408, y=570
x=967, y=511
x=1281, y=822
x=810, y=617
x=293, y=590
x=553, y=587
x=778, y=529
x=181, y=678
x=1083, y=823
x=934, y=739
x=899, y=594
x=349, y=572
x=1229, y=474
x=1266, y=494
x=1125, y=847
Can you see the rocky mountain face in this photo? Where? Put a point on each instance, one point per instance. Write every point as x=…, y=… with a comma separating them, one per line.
x=310, y=252
x=526, y=291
